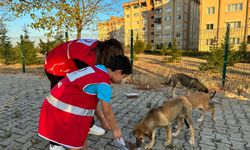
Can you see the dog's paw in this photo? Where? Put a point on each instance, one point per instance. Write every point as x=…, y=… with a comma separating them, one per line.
x=191, y=141
x=167, y=144
x=175, y=134
x=200, y=120
x=148, y=146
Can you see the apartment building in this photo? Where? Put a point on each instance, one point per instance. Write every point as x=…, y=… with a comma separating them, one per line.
x=217, y=14
x=113, y=28
x=139, y=17
x=162, y=22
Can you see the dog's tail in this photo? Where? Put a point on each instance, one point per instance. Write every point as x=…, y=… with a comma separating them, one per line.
x=213, y=94
x=213, y=101
x=167, y=83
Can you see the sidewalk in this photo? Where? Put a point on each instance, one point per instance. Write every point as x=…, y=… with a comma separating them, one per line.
x=21, y=96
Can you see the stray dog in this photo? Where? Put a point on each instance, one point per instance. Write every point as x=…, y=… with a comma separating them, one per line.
x=178, y=108
x=188, y=82
x=202, y=101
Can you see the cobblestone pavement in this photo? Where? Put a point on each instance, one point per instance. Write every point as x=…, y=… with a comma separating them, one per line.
x=21, y=96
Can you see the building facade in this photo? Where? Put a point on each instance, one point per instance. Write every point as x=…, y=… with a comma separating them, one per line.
x=216, y=15
x=163, y=22
x=138, y=17
x=113, y=28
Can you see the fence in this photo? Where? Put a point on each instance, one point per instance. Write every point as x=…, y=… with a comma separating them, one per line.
x=154, y=62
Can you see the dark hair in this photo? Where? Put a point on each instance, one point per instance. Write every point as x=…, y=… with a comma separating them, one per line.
x=107, y=49
x=120, y=62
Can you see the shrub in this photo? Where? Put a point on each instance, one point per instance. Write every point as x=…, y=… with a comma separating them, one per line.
x=215, y=61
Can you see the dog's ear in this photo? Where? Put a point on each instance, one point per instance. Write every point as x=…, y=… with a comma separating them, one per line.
x=148, y=132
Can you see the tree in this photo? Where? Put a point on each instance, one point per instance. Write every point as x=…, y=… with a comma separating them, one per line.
x=215, y=60
x=44, y=47
x=29, y=50
x=149, y=46
x=242, y=52
x=6, y=51
x=139, y=45
x=54, y=15
x=174, y=53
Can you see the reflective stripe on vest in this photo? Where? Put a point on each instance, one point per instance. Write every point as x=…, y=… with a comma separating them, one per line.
x=69, y=108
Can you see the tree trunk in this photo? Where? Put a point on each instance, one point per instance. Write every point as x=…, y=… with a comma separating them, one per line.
x=79, y=33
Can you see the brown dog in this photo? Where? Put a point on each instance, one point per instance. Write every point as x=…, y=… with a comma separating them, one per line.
x=202, y=101
x=178, y=108
x=187, y=81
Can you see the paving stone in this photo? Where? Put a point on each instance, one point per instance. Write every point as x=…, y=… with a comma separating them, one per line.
x=222, y=137
x=236, y=136
x=206, y=147
x=207, y=140
x=245, y=127
x=238, y=145
x=223, y=146
x=26, y=137
x=207, y=131
x=231, y=130
x=8, y=141
x=26, y=145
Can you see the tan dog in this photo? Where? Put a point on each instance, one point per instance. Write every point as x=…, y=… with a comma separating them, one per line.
x=178, y=108
x=201, y=101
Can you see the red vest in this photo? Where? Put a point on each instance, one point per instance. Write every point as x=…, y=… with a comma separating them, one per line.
x=59, y=61
x=67, y=113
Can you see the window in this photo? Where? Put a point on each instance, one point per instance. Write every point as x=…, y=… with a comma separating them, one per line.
x=127, y=8
x=144, y=14
x=136, y=6
x=152, y=25
x=178, y=35
x=158, y=11
x=127, y=16
x=168, y=18
x=179, y=16
x=158, y=27
x=158, y=20
x=178, y=26
x=144, y=4
x=136, y=14
x=234, y=7
x=235, y=40
x=209, y=41
x=152, y=17
x=210, y=10
x=169, y=10
x=210, y=26
x=248, y=39
x=168, y=27
x=168, y=36
x=235, y=24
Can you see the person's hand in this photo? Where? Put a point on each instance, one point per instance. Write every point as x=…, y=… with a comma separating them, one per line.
x=117, y=133
x=105, y=124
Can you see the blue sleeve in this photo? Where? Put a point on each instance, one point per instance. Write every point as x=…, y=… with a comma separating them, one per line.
x=104, y=92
